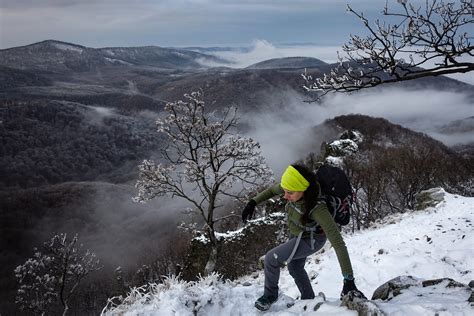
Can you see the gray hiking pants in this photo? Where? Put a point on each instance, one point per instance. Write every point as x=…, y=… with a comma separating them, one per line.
x=276, y=258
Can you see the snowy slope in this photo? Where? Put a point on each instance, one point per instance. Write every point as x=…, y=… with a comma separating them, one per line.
x=435, y=243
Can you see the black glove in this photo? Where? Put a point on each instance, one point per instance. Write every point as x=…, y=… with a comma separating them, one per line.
x=248, y=211
x=350, y=288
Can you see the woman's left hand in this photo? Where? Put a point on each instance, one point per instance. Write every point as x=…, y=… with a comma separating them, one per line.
x=248, y=211
x=350, y=287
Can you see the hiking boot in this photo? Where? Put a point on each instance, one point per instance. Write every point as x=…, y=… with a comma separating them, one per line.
x=264, y=302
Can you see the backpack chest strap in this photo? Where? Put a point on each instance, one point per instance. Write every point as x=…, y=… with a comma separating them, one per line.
x=310, y=227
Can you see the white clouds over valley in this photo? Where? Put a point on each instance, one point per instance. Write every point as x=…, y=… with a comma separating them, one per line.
x=286, y=134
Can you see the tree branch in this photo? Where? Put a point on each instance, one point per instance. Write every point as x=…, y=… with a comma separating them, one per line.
x=439, y=34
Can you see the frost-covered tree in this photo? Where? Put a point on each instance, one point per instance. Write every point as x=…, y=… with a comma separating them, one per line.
x=204, y=161
x=50, y=278
x=410, y=43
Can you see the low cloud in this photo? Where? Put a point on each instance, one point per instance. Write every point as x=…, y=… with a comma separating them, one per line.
x=455, y=138
x=286, y=132
x=286, y=135
x=103, y=111
x=261, y=50
x=420, y=110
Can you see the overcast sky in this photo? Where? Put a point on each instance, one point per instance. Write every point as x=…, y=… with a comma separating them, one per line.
x=102, y=23
x=271, y=28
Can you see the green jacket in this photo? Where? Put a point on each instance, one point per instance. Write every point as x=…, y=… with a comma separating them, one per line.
x=320, y=215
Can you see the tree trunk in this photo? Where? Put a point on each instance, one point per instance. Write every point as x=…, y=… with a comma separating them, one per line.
x=211, y=262
x=66, y=308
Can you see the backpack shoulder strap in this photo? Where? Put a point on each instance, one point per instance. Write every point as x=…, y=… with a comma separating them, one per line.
x=321, y=200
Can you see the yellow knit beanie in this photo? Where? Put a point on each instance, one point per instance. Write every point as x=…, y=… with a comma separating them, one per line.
x=292, y=180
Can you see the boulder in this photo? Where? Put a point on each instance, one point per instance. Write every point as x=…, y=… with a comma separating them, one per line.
x=392, y=288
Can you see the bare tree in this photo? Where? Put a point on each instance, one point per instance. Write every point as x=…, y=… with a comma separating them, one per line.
x=205, y=162
x=425, y=41
x=53, y=276
x=412, y=169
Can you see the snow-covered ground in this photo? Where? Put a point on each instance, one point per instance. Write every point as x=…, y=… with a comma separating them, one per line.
x=434, y=243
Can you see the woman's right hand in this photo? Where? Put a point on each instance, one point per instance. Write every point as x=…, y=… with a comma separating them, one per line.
x=350, y=287
x=248, y=211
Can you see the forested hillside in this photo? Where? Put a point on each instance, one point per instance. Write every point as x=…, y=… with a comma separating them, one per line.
x=48, y=142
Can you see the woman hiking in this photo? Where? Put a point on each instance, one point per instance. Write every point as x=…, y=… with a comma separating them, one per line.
x=305, y=209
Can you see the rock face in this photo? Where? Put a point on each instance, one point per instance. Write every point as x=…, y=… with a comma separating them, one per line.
x=429, y=198
x=345, y=145
x=410, y=292
x=239, y=251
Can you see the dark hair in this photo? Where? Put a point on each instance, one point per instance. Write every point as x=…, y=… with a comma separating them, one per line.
x=311, y=194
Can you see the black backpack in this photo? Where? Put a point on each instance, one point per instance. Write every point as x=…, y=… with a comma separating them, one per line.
x=336, y=191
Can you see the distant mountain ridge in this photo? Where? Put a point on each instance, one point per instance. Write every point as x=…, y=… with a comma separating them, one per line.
x=59, y=57
x=289, y=63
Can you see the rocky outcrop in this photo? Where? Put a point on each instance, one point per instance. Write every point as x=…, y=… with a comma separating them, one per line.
x=238, y=251
x=429, y=198
x=403, y=290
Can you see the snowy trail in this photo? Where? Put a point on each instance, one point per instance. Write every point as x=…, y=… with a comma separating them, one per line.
x=430, y=244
